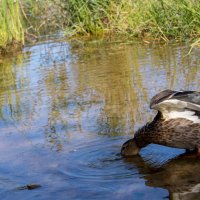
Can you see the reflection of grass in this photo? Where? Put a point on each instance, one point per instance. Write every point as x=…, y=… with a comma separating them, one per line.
x=8, y=87
x=112, y=86
x=11, y=30
x=101, y=88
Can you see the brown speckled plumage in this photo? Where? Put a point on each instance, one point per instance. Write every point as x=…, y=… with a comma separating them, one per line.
x=179, y=133
x=177, y=123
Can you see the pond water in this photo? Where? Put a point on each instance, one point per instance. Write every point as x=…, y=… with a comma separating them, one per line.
x=67, y=107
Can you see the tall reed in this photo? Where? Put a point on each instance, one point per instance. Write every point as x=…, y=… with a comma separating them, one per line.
x=11, y=29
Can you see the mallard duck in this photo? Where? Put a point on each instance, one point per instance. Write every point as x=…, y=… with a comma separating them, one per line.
x=177, y=123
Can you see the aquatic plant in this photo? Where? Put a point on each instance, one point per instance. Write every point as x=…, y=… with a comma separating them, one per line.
x=11, y=29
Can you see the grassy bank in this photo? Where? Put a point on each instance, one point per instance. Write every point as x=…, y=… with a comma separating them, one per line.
x=11, y=30
x=149, y=19
x=158, y=19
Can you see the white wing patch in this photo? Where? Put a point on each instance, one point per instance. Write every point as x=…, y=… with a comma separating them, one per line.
x=173, y=108
x=187, y=114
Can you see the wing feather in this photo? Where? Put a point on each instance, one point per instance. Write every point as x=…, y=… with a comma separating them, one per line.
x=178, y=104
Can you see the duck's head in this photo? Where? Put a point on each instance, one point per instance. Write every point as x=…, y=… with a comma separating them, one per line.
x=130, y=148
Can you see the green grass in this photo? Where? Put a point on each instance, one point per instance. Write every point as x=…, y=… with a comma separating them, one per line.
x=102, y=17
x=158, y=19
x=149, y=19
x=11, y=29
x=178, y=19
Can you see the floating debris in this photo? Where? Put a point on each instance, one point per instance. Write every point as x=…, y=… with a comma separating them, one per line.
x=29, y=187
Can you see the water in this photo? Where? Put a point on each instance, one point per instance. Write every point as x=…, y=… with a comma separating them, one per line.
x=66, y=109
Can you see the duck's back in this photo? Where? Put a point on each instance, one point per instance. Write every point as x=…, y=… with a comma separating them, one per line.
x=178, y=124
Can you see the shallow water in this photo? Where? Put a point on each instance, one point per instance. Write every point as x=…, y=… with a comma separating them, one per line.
x=66, y=109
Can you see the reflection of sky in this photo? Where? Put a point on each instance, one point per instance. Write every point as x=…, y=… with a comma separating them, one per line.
x=44, y=55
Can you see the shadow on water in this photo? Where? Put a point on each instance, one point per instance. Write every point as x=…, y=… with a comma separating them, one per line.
x=66, y=108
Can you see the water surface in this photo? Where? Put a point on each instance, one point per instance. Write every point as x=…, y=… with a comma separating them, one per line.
x=67, y=107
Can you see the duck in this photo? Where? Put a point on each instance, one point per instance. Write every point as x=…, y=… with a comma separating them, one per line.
x=176, y=124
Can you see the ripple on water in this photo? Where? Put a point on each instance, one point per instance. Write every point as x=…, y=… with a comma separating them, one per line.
x=98, y=160
x=95, y=169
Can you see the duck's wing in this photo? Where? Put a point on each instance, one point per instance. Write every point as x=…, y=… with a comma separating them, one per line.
x=177, y=104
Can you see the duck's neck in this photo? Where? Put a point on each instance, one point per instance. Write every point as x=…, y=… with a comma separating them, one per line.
x=144, y=135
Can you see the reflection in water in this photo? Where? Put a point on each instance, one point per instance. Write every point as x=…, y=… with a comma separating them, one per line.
x=58, y=99
x=107, y=85
x=180, y=176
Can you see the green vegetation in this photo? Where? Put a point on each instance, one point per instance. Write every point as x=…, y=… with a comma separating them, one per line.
x=178, y=19
x=102, y=17
x=159, y=19
x=26, y=19
x=43, y=16
x=149, y=19
x=11, y=30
